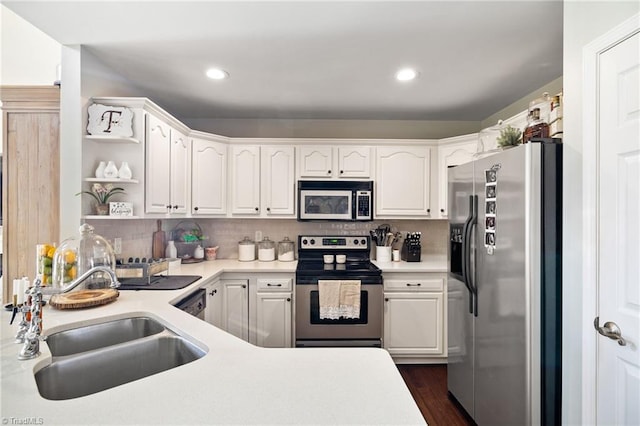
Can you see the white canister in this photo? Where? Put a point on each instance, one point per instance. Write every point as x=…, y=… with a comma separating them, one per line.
x=198, y=253
x=246, y=250
x=266, y=250
x=383, y=253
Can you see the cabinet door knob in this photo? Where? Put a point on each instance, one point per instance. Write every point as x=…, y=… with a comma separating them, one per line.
x=244, y=286
x=169, y=207
x=268, y=209
x=195, y=208
x=441, y=210
x=341, y=171
x=257, y=209
x=386, y=299
x=428, y=210
x=175, y=207
x=213, y=292
x=328, y=172
x=288, y=299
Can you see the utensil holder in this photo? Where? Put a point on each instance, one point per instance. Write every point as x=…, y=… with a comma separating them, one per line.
x=383, y=253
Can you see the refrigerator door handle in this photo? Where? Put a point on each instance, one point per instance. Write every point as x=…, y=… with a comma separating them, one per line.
x=466, y=253
x=470, y=257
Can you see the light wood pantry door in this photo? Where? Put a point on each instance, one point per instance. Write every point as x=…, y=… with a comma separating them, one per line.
x=618, y=223
x=31, y=173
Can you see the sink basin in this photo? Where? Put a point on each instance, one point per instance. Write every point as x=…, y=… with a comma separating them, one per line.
x=90, y=359
x=96, y=336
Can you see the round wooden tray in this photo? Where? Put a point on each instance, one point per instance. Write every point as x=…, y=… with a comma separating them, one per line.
x=83, y=298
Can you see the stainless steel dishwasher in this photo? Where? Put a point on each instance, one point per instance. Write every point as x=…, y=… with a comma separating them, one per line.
x=194, y=304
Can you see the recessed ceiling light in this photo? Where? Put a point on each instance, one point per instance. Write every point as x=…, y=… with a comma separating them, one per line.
x=406, y=74
x=217, y=74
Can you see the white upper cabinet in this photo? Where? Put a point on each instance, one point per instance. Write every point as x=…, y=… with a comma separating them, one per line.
x=278, y=181
x=167, y=170
x=315, y=161
x=354, y=162
x=158, y=159
x=403, y=181
x=180, y=172
x=208, y=178
x=334, y=162
x=458, y=150
x=245, y=179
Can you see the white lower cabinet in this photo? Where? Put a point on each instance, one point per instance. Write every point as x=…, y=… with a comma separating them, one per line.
x=257, y=308
x=273, y=318
x=414, y=317
x=214, y=309
x=235, y=307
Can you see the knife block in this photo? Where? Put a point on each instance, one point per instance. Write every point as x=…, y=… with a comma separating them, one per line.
x=411, y=251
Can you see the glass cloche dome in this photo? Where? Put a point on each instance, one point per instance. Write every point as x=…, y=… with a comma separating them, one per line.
x=74, y=257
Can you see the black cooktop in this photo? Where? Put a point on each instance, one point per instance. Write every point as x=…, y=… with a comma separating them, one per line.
x=356, y=248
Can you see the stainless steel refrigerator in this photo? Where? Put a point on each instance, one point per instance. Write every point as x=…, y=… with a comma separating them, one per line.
x=504, y=285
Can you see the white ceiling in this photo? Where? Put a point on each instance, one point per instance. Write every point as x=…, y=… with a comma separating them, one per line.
x=326, y=59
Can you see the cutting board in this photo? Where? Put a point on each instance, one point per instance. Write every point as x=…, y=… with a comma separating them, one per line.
x=157, y=249
x=83, y=298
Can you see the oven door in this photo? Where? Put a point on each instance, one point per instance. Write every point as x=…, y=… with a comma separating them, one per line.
x=319, y=204
x=313, y=331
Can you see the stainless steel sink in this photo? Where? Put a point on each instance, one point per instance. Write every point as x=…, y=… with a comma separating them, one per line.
x=96, y=336
x=95, y=366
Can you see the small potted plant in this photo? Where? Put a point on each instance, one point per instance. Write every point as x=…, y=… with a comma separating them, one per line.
x=102, y=194
x=509, y=137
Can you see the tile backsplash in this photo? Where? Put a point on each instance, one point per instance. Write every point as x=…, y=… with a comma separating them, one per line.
x=136, y=234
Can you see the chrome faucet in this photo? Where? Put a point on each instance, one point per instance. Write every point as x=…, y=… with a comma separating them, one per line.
x=31, y=348
x=82, y=278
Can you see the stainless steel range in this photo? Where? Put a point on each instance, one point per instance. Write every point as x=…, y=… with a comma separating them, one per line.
x=313, y=331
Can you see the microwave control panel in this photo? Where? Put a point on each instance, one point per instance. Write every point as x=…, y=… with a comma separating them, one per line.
x=363, y=205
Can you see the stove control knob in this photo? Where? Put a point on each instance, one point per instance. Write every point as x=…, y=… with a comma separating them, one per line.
x=363, y=241
x=304, y=242
x=312, y=241
x=355, y=242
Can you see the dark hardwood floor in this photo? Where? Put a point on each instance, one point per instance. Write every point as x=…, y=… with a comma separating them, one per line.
x=428, y=385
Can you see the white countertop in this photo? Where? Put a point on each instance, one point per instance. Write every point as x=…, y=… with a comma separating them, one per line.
x=428, y=264
x=235, y=382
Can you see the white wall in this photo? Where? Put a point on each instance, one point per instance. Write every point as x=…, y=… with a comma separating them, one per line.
x=304, y=128
x=554, y=87
x=85, y=76
x=29, y=56
x=583, y=22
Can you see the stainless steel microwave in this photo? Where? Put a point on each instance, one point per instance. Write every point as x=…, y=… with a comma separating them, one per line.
x=335, y=200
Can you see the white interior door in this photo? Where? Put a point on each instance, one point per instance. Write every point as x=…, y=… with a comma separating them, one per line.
x=618, y=222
